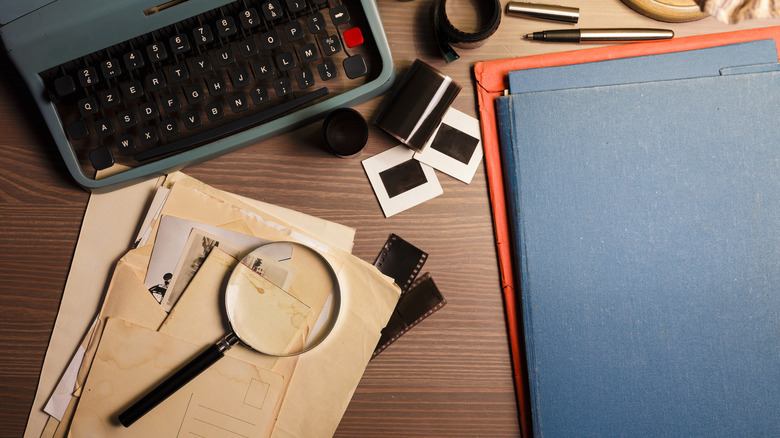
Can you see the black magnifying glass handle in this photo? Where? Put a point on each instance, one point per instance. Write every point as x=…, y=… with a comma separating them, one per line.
x=176, y=380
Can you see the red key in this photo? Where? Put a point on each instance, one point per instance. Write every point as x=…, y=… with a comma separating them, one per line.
x=353, y=37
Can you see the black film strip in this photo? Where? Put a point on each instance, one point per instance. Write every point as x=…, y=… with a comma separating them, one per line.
x=401, y=261
x=420, y=302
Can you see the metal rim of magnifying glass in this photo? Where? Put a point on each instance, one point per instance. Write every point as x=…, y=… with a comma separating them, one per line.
x=335, y=306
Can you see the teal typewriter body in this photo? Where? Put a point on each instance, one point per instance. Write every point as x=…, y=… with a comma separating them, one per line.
x=139, y=88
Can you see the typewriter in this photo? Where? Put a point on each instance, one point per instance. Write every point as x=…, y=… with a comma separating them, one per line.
x=131, y=89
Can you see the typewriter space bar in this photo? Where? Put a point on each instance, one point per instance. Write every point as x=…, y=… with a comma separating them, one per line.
x=232, y=127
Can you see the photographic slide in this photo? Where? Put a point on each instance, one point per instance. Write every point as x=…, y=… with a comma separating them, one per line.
x=399, y=181
x=455, y=148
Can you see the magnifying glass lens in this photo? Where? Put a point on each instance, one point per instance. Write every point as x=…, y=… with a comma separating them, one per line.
x=268, y=318
x=279, y=299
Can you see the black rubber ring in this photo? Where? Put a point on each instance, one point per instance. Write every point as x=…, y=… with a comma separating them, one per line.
x=448, y=35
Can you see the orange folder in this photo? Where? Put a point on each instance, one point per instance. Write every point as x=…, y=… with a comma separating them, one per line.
x=492, y=80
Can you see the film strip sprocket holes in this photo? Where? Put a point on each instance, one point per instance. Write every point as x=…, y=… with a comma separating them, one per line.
x=401, y=261
x=419, y=299
x=420, y=302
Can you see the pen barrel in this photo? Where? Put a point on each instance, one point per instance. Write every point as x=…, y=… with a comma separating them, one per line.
x=174, y=382
x=623, y=35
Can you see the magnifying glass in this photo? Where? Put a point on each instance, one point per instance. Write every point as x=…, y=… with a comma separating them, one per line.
x=281, y=300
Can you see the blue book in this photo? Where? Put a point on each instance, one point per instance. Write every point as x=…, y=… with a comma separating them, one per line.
x=647, y=242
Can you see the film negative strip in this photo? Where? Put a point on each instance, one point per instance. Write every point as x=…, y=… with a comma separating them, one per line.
x=401, y=261
x=420, y=302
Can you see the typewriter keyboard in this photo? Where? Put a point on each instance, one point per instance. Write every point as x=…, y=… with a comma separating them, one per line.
x=209, y=76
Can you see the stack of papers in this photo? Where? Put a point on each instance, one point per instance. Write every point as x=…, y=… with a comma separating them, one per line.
x=188, y=243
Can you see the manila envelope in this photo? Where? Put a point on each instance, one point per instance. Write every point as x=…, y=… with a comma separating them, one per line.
x=339, y=361
x=334, y=234
x=230, y=398
x=190, y=199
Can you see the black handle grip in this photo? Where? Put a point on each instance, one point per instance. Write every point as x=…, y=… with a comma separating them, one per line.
x=562, y=36
x=172, y=384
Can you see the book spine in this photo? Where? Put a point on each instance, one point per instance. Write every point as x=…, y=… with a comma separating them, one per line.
x=508, y=131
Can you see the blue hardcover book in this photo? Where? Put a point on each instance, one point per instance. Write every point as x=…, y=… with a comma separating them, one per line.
x=647, y=237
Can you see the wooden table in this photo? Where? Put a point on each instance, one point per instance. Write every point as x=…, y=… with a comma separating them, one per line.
x=450, y=376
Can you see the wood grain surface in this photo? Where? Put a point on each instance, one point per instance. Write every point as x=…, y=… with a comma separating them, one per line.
x=449, y=377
